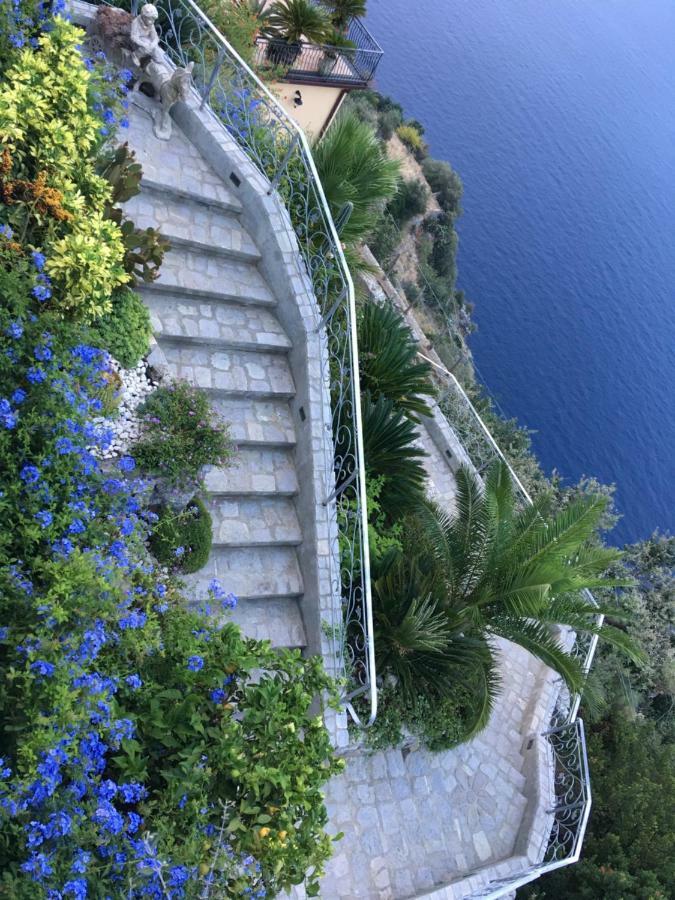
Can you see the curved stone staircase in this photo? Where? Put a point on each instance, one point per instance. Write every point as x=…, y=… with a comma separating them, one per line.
x=213, y=316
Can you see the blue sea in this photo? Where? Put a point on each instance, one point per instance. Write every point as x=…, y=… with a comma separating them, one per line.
x=559, y=115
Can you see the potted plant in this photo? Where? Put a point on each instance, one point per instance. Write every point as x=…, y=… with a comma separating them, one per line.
x=289, y=23
x=336, y=42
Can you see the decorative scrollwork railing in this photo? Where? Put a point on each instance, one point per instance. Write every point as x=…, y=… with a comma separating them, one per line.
x=278, y=148
x=565, y=741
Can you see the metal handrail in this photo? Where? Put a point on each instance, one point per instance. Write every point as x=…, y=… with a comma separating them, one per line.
x=278, y=148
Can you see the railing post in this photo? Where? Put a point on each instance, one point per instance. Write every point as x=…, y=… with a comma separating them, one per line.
x=212, y=78
x=274, y=183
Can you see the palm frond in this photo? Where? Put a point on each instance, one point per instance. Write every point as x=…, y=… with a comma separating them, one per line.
x=388, y=360
x=389, y=444
x=537, y=639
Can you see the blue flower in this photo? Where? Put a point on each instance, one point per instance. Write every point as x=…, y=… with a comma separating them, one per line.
x=29, y=474
x=38, y=260
x=38, y=866
x=132, y=792
x=135, y=821
x=135, y=619
x=82, y=860
x=195, y=663
x=18, y=396
x=36, y=375
x=127, y=464
x=77, y=526
x=42, y=353
x=64, y=445
x=122, y=729
x=44, y=517
x=6, y=231
x=76, y=887
x=42, y=292
x=106, y=790
x=4, y=631
x=14, y=330
x=134, y=682
x=42, y=667
x=178, y=552
x=218, y=695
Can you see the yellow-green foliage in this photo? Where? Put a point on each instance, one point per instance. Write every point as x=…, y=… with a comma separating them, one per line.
x=410, y=136
x=87, y=265
x=49, y=130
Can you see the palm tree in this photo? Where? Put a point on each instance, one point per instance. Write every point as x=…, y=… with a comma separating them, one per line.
x=354, y=168
x=515, y=574
x=343, y=11
x=497, y=572
x=293, y=21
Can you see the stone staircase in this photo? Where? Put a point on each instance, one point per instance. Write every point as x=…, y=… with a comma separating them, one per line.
x=213, y=316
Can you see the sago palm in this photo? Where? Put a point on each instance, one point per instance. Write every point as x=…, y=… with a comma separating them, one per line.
x=388, y=360
x=343, y=11
x=515, y=574
x=295, y=20
x=354, y=168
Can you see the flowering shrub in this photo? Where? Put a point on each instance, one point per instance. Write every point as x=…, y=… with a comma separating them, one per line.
x=139, y=757
x=181, y=434
x=56, y=110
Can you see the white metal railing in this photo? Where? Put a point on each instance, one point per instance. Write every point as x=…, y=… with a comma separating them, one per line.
x=236, y=98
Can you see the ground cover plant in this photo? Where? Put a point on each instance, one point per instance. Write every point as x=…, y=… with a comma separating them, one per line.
x=181, y=434
x=139, y=756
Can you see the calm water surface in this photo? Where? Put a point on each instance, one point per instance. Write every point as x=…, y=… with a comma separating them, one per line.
x=560, y=117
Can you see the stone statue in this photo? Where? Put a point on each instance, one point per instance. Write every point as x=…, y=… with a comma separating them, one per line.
x=170, y=86
x=137, y=41
x=144, y=38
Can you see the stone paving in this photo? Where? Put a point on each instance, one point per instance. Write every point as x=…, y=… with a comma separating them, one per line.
x=213, y=317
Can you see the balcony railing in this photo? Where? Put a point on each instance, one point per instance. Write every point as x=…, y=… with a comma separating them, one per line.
x=322, y=64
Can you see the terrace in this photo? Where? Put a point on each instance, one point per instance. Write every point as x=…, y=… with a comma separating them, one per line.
x=321, y=64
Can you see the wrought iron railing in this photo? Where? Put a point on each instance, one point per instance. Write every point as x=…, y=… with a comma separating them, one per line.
x=307, y=63
x=571, y=804
x=278, y=148
x=568, y=811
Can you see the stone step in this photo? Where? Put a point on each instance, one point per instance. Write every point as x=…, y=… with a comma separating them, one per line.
x=276, y=619
x=254, y=521
x=231, y=324
x=186, y=222
x=256, y=423
x=176, y=166
x=251, y=573
x=234, y=372
x=255, y=471
x=197, y=274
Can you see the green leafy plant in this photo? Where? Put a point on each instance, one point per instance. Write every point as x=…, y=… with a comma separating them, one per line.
x=49, y=186
x=183, y=539
x=410, y=200
x=410, y=137
x=391, y=453
x=354, y=169
x=289, y=23
x=180, y=434
x=389, y=363
x=343, y=11
x=125, y=331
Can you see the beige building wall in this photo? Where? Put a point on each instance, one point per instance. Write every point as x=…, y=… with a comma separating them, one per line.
x=319, y=104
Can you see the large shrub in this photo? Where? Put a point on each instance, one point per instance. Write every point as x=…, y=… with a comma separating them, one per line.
x=389, y=362
x=52, y=195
